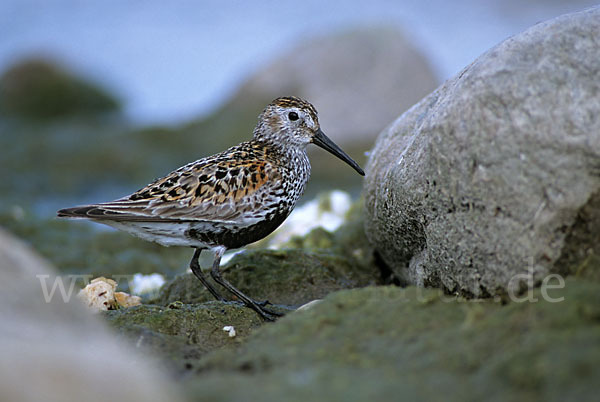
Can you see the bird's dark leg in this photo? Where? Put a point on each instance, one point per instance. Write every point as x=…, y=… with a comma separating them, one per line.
x=195, y=267
x=256, y=306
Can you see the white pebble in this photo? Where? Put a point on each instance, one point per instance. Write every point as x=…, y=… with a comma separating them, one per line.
x=230, y=329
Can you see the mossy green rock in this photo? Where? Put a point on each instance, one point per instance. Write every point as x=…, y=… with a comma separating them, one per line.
x=416, y=344
x=290, y=277
x=179, y=333
x=589, y=268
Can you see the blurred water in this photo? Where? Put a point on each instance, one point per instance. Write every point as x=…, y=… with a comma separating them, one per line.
x=171, y=61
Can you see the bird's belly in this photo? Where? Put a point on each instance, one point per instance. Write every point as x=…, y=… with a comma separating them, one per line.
x=164, y=233
x=236, y=236
x=201, y=234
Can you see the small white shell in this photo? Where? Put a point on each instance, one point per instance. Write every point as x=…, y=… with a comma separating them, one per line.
x=230, y=329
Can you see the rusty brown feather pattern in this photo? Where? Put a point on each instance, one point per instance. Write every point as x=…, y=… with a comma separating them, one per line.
x=240, y=185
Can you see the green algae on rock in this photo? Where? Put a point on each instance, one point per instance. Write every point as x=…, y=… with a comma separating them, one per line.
x=181, y=334
x=385, y=341
x=589, y=268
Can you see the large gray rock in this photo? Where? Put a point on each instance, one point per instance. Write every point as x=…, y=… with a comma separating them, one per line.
x=497, y=172
x=54, y=350
x=358, y=80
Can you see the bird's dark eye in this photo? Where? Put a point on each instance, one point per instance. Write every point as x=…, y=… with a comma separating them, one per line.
x=293, y=116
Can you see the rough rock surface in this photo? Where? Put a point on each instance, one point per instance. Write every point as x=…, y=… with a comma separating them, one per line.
x=379, y=343
x=178, y=335
x=497, y=172
x=358, y=80
x=57, y=351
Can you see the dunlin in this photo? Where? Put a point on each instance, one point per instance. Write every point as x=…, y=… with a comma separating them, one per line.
x=227, y=200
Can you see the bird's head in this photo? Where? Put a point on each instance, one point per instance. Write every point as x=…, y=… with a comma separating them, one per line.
x=293, y=122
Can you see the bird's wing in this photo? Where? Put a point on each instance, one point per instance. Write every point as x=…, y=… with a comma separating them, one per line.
x=224, y=188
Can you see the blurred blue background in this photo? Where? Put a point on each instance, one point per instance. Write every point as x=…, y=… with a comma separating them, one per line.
x=178, y=60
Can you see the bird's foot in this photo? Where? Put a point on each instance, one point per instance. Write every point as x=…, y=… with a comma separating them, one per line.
x=259, y=307
x=263, y=303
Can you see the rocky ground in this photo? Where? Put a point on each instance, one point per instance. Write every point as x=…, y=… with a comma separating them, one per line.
x=371, y=342
x=471, y=271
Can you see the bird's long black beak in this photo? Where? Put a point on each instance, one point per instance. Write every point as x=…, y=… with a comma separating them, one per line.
x=321, y=140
